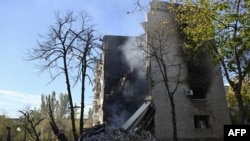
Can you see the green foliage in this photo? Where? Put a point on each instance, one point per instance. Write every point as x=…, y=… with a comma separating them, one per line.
x=60, y=109
x=196, y=23
x=232, y=101
x=222, y=28
x=4, y=122
x=225, y=23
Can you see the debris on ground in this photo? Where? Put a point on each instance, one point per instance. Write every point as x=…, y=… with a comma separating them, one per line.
x=103, y=133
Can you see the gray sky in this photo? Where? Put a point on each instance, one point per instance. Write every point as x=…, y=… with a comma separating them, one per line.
x=23, y=20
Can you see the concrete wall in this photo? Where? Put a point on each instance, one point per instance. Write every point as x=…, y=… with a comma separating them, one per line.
x=214, y=106
x=97, y=117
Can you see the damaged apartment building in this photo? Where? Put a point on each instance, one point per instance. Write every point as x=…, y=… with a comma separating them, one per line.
x=120, y=83
x=125, y=77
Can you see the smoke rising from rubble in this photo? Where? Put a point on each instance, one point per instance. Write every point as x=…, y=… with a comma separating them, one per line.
x=131, y=88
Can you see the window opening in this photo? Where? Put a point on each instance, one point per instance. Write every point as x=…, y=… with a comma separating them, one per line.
x=201, y=121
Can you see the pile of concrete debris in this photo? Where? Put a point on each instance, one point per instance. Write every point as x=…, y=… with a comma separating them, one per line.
x=136, y=128
x=103, y=133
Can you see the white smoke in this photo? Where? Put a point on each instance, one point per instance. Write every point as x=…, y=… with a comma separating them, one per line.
x=133, y=86
x=134, y=56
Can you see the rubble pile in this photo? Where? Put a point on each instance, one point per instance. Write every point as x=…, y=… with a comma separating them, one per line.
x=136, y=128
x=112, y=134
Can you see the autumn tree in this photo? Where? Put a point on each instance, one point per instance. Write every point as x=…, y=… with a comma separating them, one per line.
x=222, y=29
x=68, y=49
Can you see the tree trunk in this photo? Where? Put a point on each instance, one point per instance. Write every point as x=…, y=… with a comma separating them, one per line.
x=70, y=99
x=173, y=119
x=60, y=135
x=242, y=111
x=8, y=135
x=84, y=69
x=82, y=100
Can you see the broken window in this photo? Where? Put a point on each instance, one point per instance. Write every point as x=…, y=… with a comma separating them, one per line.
x=198, y=93
x=199, y=75
x=201, y=121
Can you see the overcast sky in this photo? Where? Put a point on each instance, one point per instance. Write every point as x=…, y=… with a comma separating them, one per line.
x=23, y=20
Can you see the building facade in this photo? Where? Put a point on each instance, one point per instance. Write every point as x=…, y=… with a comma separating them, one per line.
x=199, y=96
x=198, y=92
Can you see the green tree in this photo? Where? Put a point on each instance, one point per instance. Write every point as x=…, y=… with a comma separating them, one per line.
x=6, y=122
x=56, y=111
x=232, y=101
x=222, y=29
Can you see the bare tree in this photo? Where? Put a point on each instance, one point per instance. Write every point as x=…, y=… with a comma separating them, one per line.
x=86, y=54
x=68, y=47
x=139, y=6
x=31, y=123
x=164, y=65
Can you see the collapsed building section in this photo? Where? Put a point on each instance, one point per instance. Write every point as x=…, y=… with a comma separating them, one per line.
x=103, y=133
x=121, y=87
x=139, y=127
x=120, y=84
